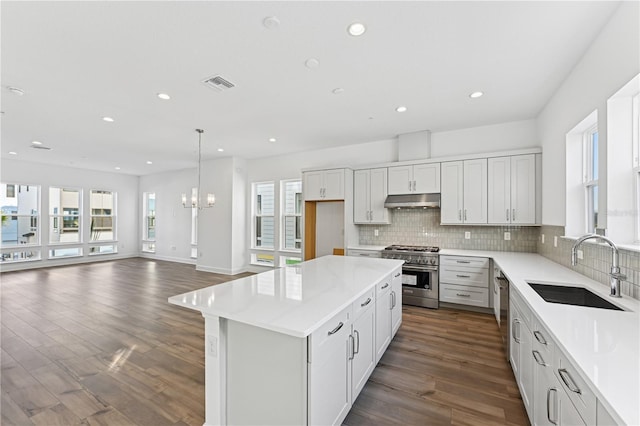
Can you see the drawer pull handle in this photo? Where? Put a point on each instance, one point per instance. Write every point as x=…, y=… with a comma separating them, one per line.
x=566, y=378
x=397, y=275
x=463, y=295
x=540, y=338
x=463, y=261
x=538, y=358
x=385, y=286
x=335, y=330
x=366, y=302
x=353, y=347
x=365, y=254
x=357, y=349
x=393, y=299
x=463, y=276
x=549, y=405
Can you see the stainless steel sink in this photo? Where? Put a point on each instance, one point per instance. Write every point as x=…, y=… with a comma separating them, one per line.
x=578, y=296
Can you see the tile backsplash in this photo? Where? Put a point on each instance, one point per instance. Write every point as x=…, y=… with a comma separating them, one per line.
x=596, y=262
x=422, y=227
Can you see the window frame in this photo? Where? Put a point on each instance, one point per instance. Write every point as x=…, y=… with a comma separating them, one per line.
x=257, y=214
x=149, y=244
x=59, y=218
x=635, y=143
x=590, y=174
x=37, y=216
x=298, y=200
x=113, y=216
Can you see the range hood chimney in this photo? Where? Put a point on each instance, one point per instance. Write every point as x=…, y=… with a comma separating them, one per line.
x=414, y=146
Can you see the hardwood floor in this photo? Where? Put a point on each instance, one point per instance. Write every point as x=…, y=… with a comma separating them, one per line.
x=98, y=344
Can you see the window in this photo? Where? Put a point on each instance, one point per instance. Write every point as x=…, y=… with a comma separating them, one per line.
x=291, y=198
x=20, y=215
x=263, y=208
x=194, y=225
x=16, y=255
x=590, y=178
x=103, y=249
x=103, y=215
x=149, y=220
x=635, y=137
x=65, y=215
x=65, y=252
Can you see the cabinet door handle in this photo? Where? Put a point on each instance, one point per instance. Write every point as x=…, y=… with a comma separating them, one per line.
x=463, y=295
x=513, y=214
x=566, y=378
x=366, y=302
x=507, y=215
x=409, y=186
x=414, y=186
x=357, y=347
x=385, y=286
x=549, y=404
x=465, y=215
x=351, y=347
x=540, y=338
x=460, y=215
x=335, y=330
x=463, y=261
x=393, y=299
x=364, y=254
x=397, y=275
x=513, y=330
x=538, y=358
x=463, y=276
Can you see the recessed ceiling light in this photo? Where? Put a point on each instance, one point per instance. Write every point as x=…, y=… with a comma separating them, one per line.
x=220, y=149
x=164, y=96
x=272, y=139
x=117, y=168
x=401, y=109
x=36, y=142
x=338, y=90
x=108, y=119
x=16, y=90
x=149, y=162
x=271, y=22
x=312, y=63
x=13, y=153
x=356, y=29
x=476, y=94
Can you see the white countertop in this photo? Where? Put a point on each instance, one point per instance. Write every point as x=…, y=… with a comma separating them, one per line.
x=366, y=247
x=603, y=344
x=294, y=300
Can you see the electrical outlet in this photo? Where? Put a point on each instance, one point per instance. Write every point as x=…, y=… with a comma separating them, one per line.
x=507, y=236
x=580, y=255
x=213, y=346
x=542, y=237
x=375, y=232
x=173, y=248
x=467, y=235
x=555, y=241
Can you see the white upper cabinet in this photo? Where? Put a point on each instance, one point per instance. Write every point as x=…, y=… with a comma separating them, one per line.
x=415, y=179
x=463, y=196
x=369, y=194
x=322, y=185
x=512, y=190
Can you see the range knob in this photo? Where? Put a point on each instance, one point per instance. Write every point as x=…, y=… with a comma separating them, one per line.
x=432, y=261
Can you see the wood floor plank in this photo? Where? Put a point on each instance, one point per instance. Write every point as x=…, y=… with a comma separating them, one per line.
x=98, y=344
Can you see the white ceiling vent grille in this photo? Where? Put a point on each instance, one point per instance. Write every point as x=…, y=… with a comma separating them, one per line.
x=218, y=83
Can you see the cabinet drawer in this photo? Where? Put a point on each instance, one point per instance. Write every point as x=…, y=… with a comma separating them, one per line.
x=478, y=262
x=527, y=316
x=576, y=388
x=464, y=295
x=543, y=343
x=383, y=286
x=363, y=303
x=337, y=328
x=364, y=253
x=463, y=275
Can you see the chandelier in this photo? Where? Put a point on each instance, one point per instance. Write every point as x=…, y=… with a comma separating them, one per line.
x=196, y=201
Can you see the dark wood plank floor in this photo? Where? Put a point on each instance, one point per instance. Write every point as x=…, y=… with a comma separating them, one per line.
x=98, y=344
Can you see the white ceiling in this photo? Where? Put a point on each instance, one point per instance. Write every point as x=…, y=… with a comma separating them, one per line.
x=80, y=61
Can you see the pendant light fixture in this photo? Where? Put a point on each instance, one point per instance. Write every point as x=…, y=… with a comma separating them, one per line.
x=196, y=201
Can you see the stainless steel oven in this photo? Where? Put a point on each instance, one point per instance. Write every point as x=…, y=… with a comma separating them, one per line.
x=419, y=274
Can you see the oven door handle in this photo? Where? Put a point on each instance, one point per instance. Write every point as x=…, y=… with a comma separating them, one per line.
x=419, y=268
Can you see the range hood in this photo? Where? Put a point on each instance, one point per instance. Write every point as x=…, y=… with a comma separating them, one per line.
x=412, y=201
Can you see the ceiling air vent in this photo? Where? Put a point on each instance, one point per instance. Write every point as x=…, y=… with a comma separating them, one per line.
x=46, y=148
x=218, y=83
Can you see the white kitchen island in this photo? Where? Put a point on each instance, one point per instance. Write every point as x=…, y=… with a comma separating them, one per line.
x=296, y=345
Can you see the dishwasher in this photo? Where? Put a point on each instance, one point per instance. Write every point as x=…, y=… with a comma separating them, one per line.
x=501, y=285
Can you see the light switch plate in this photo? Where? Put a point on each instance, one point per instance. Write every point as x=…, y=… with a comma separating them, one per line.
x=507, y=236
x=375, y=232
x=213, y=346
x=467, y=235
x=542, y=236
x=580, y=254
x=555, y=241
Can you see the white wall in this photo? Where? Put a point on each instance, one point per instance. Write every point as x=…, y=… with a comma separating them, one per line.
x=497, y=137
x=610, y=62
x=173, y=221
x=126, y=187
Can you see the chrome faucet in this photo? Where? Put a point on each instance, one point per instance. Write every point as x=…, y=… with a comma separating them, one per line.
x=615, y=274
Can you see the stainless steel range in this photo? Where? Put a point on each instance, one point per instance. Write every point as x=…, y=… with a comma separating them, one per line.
x=419, y=273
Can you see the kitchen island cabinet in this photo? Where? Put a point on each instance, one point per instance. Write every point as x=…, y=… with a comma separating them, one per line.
x=290, y=346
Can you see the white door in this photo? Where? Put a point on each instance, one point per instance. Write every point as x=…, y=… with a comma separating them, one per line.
x=364, y=352
x=523, y=189
x=312, y=185
x=378, y=194
x=451, y=187
x=361, y=192
x=475, y=191
x=427, y=178
x=334, y=184
x=400, y=180
x=499, y=190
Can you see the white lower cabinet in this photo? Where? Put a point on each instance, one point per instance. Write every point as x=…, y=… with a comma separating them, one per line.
x=464, y=280
x=363, y=351
x=384, y=301
x=521, y=346
x=396, y=301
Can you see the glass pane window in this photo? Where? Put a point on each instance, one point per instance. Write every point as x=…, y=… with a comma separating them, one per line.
x=149, y=217
x=292, y=215
x=590, y=178
x=20, y=214
x=264, y=209
x=102, y=205
x=65, y=252
x=103, y=249
x=194, y=219
x=65, y=215
x=19, y=255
